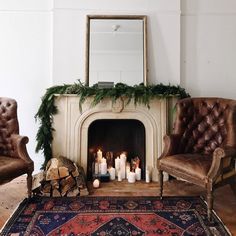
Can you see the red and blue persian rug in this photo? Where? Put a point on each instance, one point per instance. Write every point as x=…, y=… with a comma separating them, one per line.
x=114, y=216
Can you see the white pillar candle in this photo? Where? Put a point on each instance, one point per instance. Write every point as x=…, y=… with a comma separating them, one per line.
x=99, y=155
x=103, y=168
x=123, y=155
x=131, y=177
x=117, y=165
x=112, y=173
x=99, y=167
x=119, y=175
x=96, y=168
x=138, y=173
x=122, y=167
x=127, y=171
x=103, y=160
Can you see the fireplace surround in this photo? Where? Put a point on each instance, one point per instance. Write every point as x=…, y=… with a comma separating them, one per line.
x=71, y=125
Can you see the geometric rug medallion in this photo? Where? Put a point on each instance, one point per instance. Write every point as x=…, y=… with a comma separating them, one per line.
x=112, y=216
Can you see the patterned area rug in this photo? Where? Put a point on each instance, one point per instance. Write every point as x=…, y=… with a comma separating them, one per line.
x=115, y=216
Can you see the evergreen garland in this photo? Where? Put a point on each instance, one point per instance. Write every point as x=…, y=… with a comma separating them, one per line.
x=140, y=93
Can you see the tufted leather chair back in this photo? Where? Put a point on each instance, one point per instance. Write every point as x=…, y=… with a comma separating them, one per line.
x=205, y=124
x=8, y=125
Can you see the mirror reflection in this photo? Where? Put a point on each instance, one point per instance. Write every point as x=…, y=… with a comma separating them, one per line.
x=116, y=49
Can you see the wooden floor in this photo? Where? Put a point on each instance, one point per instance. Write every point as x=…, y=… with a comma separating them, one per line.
x=13, y=193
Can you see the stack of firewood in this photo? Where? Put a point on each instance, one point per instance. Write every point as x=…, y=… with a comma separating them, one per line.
x=61, y=177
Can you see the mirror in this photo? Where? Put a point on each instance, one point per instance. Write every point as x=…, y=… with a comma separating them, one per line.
x=116, y=49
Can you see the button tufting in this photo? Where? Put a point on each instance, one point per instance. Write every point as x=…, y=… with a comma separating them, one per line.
x=204, y=126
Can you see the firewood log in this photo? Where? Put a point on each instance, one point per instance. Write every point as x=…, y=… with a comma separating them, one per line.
x=52, y=171
x=55, y=184
x=75, y=173
x=80, y=181
x=56, y=193
x=73, y=193
x=63, y=171
x=83, y=192
x=37, y=179
x=67, y=184
x=46, y=188
x=65, y=162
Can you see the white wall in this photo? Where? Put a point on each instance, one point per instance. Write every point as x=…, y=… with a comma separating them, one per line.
x=25, y=61
x=163, y=36
x=208, y=46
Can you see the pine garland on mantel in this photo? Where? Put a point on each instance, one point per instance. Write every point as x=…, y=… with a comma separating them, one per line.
x=141, y=94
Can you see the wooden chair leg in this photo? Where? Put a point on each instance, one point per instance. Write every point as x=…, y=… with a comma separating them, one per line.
x=29, y=183
x=209, y=202
x=233, y=185
x=160, y=176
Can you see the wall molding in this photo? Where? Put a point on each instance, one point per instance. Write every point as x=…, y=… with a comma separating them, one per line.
x=208, y=13
x=121, y=12
x=111, y=11
x=26, y=11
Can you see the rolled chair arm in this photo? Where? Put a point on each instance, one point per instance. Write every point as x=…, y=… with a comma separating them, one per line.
x=224, y=152
x=218, y=155
x=171, y=145
x=19, y=143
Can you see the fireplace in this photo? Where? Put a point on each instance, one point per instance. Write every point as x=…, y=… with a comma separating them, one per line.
x=116, y=136
x=72, y=126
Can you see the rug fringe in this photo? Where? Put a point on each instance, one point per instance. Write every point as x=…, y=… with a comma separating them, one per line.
x=226, y=228
x=10, y=217
x=218, y=218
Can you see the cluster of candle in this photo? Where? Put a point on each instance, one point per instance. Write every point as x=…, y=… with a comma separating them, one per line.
x=100, y=166
x=122, y=168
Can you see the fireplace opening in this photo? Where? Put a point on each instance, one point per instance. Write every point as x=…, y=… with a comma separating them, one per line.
x=112, y=137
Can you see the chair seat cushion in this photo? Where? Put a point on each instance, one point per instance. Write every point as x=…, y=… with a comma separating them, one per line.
x=194, y=165
x=11, y=167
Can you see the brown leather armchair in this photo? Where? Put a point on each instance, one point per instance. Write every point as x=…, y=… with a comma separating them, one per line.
x=202, y=148
x=14, y=159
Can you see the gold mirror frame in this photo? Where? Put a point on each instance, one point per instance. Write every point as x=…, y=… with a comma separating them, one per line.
x=114, y=17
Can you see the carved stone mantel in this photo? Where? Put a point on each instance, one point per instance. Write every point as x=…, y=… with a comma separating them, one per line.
x=70, y=137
